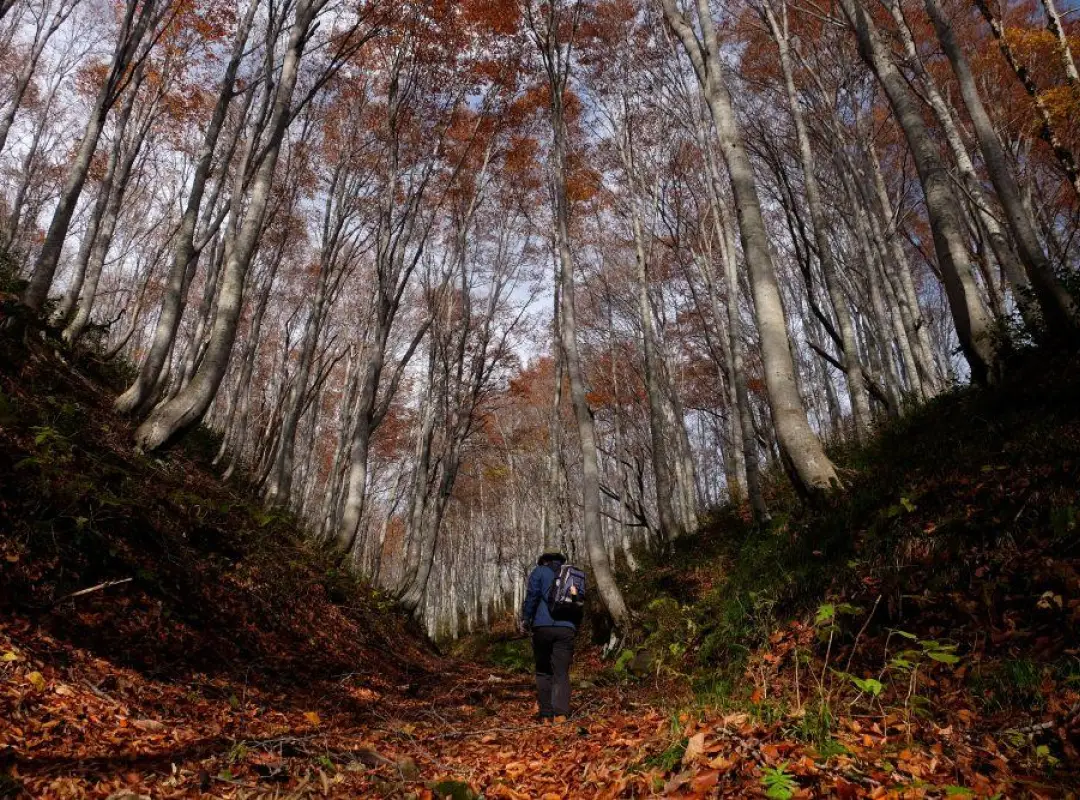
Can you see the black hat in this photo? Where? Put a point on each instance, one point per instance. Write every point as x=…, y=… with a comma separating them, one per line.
x=548, y=557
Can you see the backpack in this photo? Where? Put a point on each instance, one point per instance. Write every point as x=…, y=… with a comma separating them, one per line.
x=566, y=598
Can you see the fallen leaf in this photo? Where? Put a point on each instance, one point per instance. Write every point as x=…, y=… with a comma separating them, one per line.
x=676, y=781
x=313, y=717
x=705, y=781
x=722, y=763
x=695, y=746
x=37, y=680
x=149, y=725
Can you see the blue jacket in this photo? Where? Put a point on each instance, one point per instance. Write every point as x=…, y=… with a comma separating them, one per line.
x=535, y=612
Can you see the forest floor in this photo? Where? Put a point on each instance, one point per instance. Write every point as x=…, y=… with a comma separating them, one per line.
x=162, y=635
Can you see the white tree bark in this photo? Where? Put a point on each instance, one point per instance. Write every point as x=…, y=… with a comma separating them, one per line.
x=185, y=252
x=139, y=20
x=46, y=25
x=974, y=325
x=814, y=471
x=191, y=403
x=856, y=385
x=549, y=36
x=1059, y=309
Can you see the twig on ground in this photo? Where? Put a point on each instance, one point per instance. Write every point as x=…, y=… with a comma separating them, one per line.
x=862, y=630
x=98, y=588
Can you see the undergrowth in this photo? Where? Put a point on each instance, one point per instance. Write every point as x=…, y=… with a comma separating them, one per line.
x=210, y=580
x=939, y=580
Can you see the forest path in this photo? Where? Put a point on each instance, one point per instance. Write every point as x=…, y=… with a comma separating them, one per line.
x=78, y=726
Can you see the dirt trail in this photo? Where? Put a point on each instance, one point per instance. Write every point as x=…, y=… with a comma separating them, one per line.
x=79, y=726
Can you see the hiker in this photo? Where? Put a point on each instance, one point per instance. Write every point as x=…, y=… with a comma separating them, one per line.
x=552, y=611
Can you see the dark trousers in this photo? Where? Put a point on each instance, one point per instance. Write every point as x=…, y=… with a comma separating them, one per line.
x=553, y=649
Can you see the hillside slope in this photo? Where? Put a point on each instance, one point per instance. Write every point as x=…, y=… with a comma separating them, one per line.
x=150, y=615
x=925, y=623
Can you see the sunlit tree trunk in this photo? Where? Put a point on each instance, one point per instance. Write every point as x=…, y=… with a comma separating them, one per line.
x=184, y=248
x=138, y=20
x=814, y=471
x=191, y=403
x=550, y=511
x=1049, y=132
x=974, y=325
x=860, y=401
x=1053, y=24
x=741, y=412
x=980, y=202
x=240, y=400
x=557, y=68
x=279, y=483
x=400, y=241
x=1058, y=307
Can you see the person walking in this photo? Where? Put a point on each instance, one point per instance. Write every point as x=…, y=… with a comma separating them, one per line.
x=553, y=632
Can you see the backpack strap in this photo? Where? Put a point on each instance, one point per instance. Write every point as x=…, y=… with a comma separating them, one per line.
x=549, y=595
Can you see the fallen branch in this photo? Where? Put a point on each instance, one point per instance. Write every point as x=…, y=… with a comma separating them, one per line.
x=92, y=589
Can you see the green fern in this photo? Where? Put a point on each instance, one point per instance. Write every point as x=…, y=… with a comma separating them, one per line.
x=778, y=783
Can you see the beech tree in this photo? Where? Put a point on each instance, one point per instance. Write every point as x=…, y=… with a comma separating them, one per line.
x=138, y=29
x=814, y=471
x=553, y=30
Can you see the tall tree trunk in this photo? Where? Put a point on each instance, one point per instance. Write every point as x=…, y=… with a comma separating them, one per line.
x=742, y=414
x=895, y=301
x=856, y=384
x=900, y=275
x=279, y=482
x=106, y=229
x=326, y=520
x=27, y=170
x=980, y=201
x=1058, y=307
x=138, y=19
x=42, y=34
x=356, y=483
x=184, y=250
x=550, y=511
x=554, y=53
x=101, y=203
x=671, y=526
x=974, y=325
x=815, y=472
x=191, y=403
x=240, y=400
x=743, y=410
x=1049, y=132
